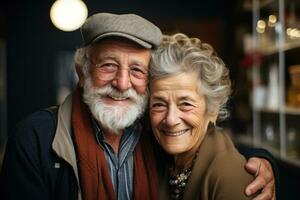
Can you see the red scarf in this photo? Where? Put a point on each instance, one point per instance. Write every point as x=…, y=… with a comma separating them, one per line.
x=94, y=176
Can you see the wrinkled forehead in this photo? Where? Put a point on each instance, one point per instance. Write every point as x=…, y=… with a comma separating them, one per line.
x=182, y=83
x=178, y=81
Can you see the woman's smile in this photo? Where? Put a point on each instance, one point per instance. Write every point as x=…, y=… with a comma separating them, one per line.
x=175, y=133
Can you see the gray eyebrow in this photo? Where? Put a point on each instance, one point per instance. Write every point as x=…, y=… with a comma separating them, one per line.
x=185, y=98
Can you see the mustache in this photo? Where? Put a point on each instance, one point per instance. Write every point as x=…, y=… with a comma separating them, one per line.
x=110, y=91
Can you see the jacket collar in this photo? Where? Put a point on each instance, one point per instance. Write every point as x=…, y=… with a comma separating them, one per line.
x=63, y=144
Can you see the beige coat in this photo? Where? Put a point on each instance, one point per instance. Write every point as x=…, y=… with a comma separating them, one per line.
x=218, y=173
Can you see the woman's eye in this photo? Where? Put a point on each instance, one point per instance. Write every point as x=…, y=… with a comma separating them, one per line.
x=186, y=106
x=155, y=105
x=158, y=107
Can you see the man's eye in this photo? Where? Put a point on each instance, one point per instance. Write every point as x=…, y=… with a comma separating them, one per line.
x=138, y=72
x=108, y=67
x=137, y=69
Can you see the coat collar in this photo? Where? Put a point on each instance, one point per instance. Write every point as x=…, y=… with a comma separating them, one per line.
x=62, y=144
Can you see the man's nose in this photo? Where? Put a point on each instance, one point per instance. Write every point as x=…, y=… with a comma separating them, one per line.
x=122, y=80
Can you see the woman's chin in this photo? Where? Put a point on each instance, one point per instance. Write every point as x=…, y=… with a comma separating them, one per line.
x=175, y=149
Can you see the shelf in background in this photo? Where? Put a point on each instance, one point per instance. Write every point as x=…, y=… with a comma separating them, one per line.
x=287, y=110
x=263, y=3
x=272, y=49
x=247, y=141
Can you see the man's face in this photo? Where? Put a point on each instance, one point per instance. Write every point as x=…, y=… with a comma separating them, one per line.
x=125, y=56
x=115, y=87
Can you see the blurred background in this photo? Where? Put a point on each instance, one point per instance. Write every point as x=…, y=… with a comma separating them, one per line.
x=259, y=40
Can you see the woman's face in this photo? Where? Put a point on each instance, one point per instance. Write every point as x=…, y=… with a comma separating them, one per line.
x=178, y=113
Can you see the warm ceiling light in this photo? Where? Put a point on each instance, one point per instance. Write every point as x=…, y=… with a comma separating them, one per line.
x=261, y=24
x=68, y=15
x=295, y=33
x=288, y=31
x=272, y=20
x=260, y=30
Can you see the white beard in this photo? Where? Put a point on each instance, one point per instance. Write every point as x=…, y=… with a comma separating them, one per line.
x=114, y=117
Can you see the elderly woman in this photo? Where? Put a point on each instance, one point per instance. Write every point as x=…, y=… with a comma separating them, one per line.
x=189, y=89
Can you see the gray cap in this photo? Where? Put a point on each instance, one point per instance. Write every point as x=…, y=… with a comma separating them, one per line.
x=130, y=26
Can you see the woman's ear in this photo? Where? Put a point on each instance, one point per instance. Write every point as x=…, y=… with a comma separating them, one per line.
x=215, y=112
x=214, y=117
x=79, y=74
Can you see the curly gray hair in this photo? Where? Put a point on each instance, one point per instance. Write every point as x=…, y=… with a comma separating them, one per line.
x=179, y=53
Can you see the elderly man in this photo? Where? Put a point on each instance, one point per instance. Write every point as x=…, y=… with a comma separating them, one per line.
x=95, y=146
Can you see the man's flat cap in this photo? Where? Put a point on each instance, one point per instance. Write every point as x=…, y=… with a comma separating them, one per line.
x=130, y=26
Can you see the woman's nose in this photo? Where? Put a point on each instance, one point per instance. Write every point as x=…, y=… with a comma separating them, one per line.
x=172, y=117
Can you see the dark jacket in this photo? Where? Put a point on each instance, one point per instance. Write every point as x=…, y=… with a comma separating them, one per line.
x=40, y=161
x=31, y=169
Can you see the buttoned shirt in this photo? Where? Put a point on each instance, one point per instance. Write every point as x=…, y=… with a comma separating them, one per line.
x=121, y=164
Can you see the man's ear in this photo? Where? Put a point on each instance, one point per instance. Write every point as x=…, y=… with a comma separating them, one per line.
x=79, y=74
